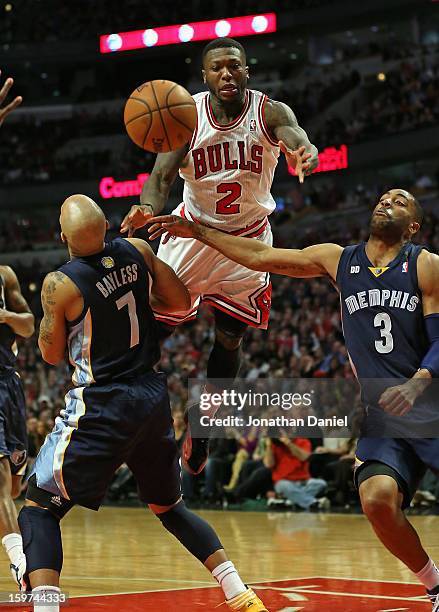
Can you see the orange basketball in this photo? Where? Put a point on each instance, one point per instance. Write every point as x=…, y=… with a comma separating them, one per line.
x=160, y=116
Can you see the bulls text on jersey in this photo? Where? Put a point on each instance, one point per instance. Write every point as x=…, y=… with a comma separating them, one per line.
x=227, y=156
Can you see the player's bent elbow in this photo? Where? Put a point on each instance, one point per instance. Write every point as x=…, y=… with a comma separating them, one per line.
x=50, y=356
x=186, y=299
x=181, y=299
x=52, y=359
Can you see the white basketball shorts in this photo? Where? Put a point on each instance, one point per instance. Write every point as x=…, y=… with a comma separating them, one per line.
x=213, y=278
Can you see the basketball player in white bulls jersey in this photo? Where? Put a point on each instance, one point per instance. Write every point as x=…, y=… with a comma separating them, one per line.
x=228, y=170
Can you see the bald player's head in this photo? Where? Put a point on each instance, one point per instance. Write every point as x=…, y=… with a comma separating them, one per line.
x=83, y=225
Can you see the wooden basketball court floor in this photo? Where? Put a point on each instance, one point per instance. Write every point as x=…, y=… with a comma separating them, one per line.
x=121, y=559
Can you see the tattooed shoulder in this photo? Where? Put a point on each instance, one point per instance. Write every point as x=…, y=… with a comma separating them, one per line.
x=278, y=113
x=52, y=280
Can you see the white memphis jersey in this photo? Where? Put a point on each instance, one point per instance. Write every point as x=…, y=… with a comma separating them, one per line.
x=229, y=169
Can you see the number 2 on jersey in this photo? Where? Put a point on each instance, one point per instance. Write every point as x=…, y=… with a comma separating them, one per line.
x=129, y=300
x=225, y=205
x=384, y=321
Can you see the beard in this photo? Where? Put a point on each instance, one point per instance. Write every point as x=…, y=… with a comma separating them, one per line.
x=386, y=229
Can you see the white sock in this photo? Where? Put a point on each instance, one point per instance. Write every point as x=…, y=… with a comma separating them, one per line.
x=39, y=595
x=228, y=579
x=13, y=545
x=429, y=575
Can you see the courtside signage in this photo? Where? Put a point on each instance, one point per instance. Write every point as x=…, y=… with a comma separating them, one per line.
x=330, y=159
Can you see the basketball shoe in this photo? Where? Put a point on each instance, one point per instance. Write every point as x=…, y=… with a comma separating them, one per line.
x=434, y=598
x=246, y=601
x=195, y=451
x=19, y=574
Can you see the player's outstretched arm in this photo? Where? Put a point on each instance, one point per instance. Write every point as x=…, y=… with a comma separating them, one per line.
x=318, y=260
x=399, y=400
x=56, y=294
x=155, y=190
x=293, y=141
x=428, y=278
x=5, y=110
x=16, y=313
x=168, y=293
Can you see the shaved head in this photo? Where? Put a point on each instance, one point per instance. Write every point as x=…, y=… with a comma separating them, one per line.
x=83, y=225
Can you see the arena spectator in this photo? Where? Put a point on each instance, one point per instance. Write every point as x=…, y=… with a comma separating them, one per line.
x=288, y=460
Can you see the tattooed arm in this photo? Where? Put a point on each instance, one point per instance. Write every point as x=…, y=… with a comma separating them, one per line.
x=16, y=312
x=284, y=128
x=317, y=260
x=56, y=294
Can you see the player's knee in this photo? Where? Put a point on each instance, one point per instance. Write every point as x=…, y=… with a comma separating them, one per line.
x=164, y=330
x=229, y=342
x=229, y=332
x=380, y=501
x=157, y=510
x=41, y=539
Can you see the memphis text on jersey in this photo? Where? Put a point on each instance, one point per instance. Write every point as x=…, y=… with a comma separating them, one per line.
x=381, y=297
x=225, y=156
x=117, y=278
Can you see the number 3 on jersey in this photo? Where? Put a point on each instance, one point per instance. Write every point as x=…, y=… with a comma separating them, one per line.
x=384, y=321
x=226, y=206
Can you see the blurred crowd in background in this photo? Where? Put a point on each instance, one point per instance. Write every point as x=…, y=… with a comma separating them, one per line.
x=40, y=150
x=345, y=86
x=304, y=340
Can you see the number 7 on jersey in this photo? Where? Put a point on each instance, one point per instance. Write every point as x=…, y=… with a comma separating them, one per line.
x=129, y=300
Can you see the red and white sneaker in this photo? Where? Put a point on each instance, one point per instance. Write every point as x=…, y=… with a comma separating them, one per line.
x=195, y=451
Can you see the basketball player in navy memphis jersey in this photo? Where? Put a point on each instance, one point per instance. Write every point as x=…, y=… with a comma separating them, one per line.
x=389, y=290
x=99, y=307
x=228, y=170
x=16, y=319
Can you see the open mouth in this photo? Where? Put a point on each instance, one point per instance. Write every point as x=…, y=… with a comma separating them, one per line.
x=229, y=90
x=382, y=213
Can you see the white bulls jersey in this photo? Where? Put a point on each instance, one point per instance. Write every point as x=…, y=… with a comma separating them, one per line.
x=229, y=169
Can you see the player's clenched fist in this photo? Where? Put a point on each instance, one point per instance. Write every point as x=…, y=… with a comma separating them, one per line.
x=138, y=217
x=5, y=110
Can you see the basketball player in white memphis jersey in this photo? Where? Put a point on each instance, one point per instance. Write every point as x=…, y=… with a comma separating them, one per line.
x=228, y=169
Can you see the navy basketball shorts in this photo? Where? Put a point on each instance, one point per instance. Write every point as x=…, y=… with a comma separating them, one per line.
x=105, y=426
x=13, y=433
x=408, y=457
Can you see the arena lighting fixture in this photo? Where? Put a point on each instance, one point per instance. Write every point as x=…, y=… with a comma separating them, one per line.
x=330, y=159
x=188, y=32
x=109, y=188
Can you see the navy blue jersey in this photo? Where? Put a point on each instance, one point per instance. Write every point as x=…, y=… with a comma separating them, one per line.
x=115, y=338
x=8, y=346
x=382, y=316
